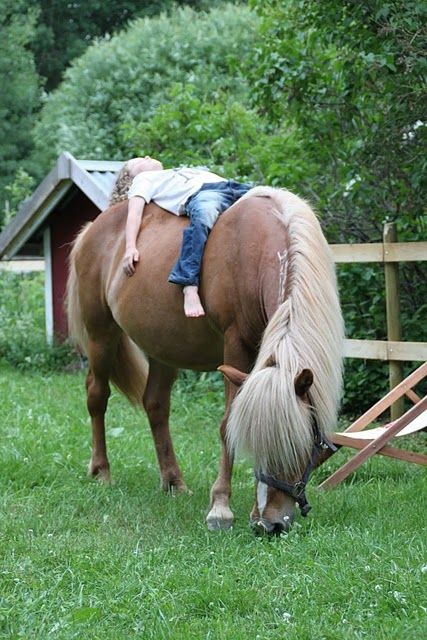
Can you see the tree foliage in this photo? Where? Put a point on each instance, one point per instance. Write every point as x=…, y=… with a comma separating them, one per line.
x=39, y=40
x=65, y=29
x=20, y=94
x=223, y=133
x=123, y=79
x=351, y=76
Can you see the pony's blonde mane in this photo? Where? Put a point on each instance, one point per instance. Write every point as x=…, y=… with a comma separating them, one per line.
x=268, y=420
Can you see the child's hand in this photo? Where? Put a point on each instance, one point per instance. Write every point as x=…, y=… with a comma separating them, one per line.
x=130, y=260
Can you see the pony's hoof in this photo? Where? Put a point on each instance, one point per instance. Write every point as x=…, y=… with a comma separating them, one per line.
x=220, y=519
x=102, y=474
x=174, y=488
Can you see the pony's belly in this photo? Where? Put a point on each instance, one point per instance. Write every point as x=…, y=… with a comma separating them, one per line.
x=150, y=311
x=191, y=344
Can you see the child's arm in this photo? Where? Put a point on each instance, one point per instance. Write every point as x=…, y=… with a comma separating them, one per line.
x=133, y=223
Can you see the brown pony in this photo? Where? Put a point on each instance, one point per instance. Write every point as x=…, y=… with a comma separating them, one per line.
x=268, y=287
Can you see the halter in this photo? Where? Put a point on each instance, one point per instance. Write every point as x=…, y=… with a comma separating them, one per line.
x=297, y=490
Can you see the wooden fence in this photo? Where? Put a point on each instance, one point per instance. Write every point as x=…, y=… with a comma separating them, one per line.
x=390, y=253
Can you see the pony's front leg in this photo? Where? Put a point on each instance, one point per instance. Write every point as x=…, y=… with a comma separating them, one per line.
x=220, y=515
x=157, y=405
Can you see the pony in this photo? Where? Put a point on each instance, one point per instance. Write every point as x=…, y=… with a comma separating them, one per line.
x=273, y=325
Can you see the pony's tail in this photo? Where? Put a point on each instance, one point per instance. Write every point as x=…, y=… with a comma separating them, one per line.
x=129, y=370
x=76, y=329
x=268, y=419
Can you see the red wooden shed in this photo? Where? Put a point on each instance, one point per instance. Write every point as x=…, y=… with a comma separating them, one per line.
x=73, y=193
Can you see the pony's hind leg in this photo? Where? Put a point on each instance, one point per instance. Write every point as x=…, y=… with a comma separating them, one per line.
x=157, y=405
x=100, y=354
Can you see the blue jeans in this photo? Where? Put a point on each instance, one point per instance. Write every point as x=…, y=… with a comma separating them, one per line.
x=203, y=208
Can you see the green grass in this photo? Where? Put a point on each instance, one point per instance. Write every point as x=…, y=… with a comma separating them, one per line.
x=81, y=560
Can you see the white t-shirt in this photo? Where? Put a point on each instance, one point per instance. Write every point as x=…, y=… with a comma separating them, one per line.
x=171, y=188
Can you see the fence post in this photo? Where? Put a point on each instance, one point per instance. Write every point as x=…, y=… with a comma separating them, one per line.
x=391, y=272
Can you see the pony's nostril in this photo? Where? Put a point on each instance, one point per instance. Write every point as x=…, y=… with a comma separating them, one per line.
x=278, y=529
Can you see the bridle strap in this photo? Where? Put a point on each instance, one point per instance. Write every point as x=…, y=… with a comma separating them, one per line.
x=297, y=490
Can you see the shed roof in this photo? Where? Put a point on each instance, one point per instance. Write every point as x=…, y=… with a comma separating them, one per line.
x=95, y=178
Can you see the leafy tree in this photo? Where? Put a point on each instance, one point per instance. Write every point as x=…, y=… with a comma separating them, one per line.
x=186, y=129
x=65, y=29
x=123, y=79
x=351, y=75
x=222, y=133
x=16, y=192
x=20, y=94
x=39, y=39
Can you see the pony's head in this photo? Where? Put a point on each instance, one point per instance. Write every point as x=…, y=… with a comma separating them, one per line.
x=279, y=491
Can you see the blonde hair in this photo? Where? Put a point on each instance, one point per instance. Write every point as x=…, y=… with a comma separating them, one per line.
x=121, y=187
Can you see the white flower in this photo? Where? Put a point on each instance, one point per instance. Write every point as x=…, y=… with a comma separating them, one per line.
x=399, y=597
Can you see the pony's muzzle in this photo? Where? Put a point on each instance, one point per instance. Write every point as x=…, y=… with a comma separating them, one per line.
x=264, y=527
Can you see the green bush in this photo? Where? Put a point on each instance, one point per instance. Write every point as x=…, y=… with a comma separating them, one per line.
x=123, y=79
x=362, y=293
x=221, y=133
x=20, y=91
x=17, y=191
x=65, y=29
x=351, y=77
x=22, y=325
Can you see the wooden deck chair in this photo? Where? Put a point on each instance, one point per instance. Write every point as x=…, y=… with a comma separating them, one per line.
x=375, y=440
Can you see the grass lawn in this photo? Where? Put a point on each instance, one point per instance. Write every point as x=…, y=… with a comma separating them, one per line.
x=81, y=560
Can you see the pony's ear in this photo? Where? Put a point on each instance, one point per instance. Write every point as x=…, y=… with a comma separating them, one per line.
x=234, y=375
x=303, y=382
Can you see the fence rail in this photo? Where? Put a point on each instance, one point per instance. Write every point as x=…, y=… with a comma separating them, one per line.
x=22, y=266
x=380, y=252
x=386, y=350
x=393, y=350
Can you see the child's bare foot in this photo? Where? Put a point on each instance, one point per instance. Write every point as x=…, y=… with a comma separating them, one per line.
x=192, y=305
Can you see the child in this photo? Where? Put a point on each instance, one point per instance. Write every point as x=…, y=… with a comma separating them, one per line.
x=195, y=192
